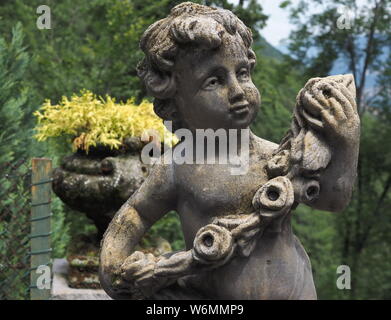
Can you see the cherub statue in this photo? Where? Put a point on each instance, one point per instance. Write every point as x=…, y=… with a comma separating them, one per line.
x=237, y=228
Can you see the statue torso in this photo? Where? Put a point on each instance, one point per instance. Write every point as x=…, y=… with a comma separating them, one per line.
x=278, y=268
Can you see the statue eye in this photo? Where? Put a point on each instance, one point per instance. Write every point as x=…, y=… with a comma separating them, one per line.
x=211, y=83
x=243, y=74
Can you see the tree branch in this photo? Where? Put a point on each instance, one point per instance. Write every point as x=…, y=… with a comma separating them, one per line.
x=352, y=53
x=368, y=53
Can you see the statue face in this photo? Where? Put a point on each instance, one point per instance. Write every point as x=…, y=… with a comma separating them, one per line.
x=214, y=87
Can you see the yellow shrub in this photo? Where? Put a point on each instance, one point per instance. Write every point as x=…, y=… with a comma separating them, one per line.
x=91, y=121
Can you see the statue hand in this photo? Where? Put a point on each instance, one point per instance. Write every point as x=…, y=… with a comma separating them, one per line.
x=330, y=108
x=136, y=275
x=139, y=268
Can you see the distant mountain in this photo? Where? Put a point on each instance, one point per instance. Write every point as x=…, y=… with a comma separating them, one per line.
x=340, y=66
x=266, y=49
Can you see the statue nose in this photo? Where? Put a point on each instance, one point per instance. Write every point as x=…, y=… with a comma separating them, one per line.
x=236, y=92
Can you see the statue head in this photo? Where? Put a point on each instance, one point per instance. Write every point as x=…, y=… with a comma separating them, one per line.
x=197, y=66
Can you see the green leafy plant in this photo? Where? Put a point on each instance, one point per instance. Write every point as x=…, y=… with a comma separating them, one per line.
x=90, y=121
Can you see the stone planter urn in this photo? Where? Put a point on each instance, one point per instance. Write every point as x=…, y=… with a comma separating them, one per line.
x=99, y=182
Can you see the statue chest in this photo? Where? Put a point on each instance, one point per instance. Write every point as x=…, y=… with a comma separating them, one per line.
x=212, y=190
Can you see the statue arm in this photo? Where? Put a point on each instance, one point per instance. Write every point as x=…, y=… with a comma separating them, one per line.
x=151, y=201
x=319, y=154
x=337, y=180
x=330, y=110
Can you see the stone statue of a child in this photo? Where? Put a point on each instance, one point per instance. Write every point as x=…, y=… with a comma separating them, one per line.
x=237, y=228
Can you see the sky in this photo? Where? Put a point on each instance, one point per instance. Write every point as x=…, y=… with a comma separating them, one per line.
x=278, y=26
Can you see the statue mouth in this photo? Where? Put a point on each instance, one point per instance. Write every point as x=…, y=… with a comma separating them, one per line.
x=240, y=109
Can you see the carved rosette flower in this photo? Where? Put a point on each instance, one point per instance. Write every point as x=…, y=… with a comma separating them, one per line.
x=306, y=190
x=274, y=198
x=213, y=244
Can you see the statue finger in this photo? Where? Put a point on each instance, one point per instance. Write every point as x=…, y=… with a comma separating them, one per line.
x=131, y=271
x=318, y=96
x=332, y=90
x=311, y=121
x=336, y=110
x=144, y=273
x=311, y=105
x=351, y=109
x=134, y=257
x=138, y=266
x=137, y=257
x=329, y=120
x=311, y=82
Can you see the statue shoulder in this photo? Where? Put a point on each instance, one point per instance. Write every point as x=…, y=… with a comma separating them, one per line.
x=264, y=147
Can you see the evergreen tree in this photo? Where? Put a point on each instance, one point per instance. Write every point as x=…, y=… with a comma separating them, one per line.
x=13, y=97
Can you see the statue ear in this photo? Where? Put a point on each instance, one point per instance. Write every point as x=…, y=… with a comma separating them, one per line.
x=160, y=85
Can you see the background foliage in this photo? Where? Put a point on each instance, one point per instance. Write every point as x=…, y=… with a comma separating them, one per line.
x=359, y=234
x=93, y=45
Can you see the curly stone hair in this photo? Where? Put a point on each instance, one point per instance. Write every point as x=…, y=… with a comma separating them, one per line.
x=188, y=25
